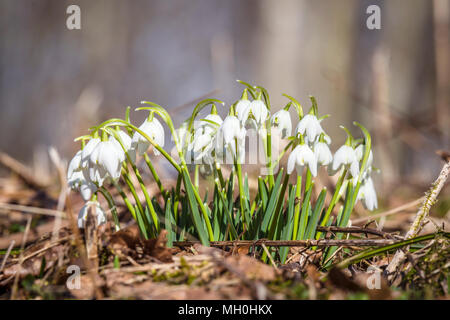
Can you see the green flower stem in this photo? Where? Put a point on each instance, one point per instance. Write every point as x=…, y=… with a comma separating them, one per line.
x=277, y=212
x=220, y=175
x=269, y=155
x=147, y=197
x=177, y=197
x=141, y=182
x=333, y=201
x=128, y=181
x=111, y=205
x=196, y=176
x=201, y=205
x=277, y=161
x=125, y=199
x=242, y=196
x=308, y=181
x=154, y=173
x=279, y=206
x=298, y=192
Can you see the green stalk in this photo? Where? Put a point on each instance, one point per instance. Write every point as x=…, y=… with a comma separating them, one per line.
x=277, y=161
x=141, y=182
x=177, y=197
x=242, y=196
x=147, y=197
x=220, y=175
x=269, y=155
x=196, y=177
x=298, y=192
x=308, y=181
x=278, y=208
x=133, y=191
x=111, y=205
x=334, y=200
x=153, y=171
x=125, y=199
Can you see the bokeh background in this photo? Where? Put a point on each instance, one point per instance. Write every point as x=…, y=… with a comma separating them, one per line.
x=55, y=83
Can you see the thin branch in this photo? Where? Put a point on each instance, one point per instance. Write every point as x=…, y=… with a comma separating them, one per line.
x=355, y=230
x=294, y=243
x=416, y=227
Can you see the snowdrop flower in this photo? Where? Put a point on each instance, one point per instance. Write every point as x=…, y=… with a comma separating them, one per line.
x=74, y=164
x=106, y=160
x=368, y=194
x=345, y=156
x=310, y=125
x=242, y=109
x=87, y=189
x=259, y=111
x=83, y=214
x=302, y=155
x=76, y=179
x=126, y=141
x=87, y=150
x=323, y=153
x=209, y=127
x=282, y=120
x=359, y=155
x=154, y=129
x=230, y=131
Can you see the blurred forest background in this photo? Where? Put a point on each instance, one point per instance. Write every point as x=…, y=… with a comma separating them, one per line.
x=55, y=83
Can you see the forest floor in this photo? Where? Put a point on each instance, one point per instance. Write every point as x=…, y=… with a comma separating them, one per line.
x=43, y=256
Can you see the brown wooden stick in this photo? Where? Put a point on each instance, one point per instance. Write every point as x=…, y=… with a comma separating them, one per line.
x=294, y=243
x=355, y=230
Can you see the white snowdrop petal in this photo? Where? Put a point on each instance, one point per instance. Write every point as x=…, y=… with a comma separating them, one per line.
x=291, y=162
x=354, y=169
x=88, y=148
x=75, y=164
x=241, y=107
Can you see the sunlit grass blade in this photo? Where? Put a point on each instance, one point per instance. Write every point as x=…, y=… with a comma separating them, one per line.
x=314, y=219
x=202, y=233
x=268, y=213
x=306, y=206
x=288, y=225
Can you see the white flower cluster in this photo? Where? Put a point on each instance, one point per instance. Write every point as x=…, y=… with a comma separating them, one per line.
x=101, y=160
x=213, y=138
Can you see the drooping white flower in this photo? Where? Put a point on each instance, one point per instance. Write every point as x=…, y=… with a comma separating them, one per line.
x=100, y=215
x=368, y=194
x=74, y=165
x=323, y=153
x=87, y=150
x=152, y=128
x=302, y=155
x=87, y=189
x=210, y=127
x=282, y=120
x=231, y=129
x=259, y=111
x=242, y=109
x=254, y=114
x=106, y=159
x=345, y=156
x=310, y=125
x=77, y=180
x=229, y=132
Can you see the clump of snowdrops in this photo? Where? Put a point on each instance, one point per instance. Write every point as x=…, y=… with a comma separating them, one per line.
x=283, y=207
